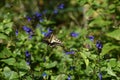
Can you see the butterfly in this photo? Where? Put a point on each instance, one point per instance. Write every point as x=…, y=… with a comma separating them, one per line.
x=52, y=40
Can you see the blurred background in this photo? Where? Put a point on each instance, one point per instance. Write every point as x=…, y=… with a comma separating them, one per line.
x=88, y=30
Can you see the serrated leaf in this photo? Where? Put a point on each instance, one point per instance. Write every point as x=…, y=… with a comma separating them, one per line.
x=107, y=48
x=9, y=61
x=114, y=34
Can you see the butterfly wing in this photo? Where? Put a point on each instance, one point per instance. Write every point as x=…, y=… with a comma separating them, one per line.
x=52, y=40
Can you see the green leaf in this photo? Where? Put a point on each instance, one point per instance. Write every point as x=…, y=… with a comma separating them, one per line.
x=84, y=56
x=5, y=53
x=113, y=62
x=118, y=63
x=8, y=27
x=110, y=71
x=59, y=77
x=114, y=34
x=3, y=36
x=22, y=65
x=99, y=21
x=1, y=27
x=50, y=65
x=9, y=61
x=107, y=48
x=10, y=75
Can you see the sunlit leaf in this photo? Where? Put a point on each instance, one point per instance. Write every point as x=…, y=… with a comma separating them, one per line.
x=5, y=53
x=114, y=34
x=50, y=65
x=84, y=56
x=110, y=71
x=3, y=36
x=9, y=74
x=107, y=48
x=9, y=61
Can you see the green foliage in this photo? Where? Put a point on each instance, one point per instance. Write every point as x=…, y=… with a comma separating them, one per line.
x=79, y=24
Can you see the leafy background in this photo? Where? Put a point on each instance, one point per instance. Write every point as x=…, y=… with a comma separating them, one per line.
x=89, y=30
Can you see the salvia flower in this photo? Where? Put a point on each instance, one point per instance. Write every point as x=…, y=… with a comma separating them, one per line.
x=91, y=38
x=38, y=17
x=74, y=34
x=38, y=14
x=27, y=54
x=61, y=6
x=16, y=32
x=99, y=45
x=28, y=57
x=70, y=52
x=49, y=31
x=29, y=18
x=27, y=29
x=55, y=11
x=69, y=77
x=44, y=75
x=100, y=76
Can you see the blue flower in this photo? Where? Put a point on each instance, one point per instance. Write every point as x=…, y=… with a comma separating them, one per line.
x=70, y=52
x=49, y=31
x=27, y=29
x=16, y=32
x=44, y=74
x=91, y=38
x=27, y=54
x=38, y=17
x=74, y=34
x=28, y=63
x=29, y=18
x=28, y=57
x=100, y=76
x=30, y=36
x=61, y=6
x=99, y=45
x=38, y=14
x=55, y=11
x=69, y=77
